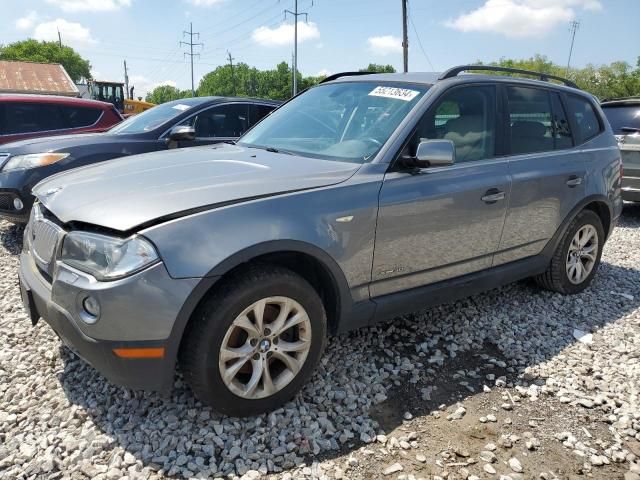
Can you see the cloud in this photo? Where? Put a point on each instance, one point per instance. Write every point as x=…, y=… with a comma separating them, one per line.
x=143, y=85
x=283, y=35
x=520, y=18
x=72, y=33
x=385, y=44
x=204, y=3
x=26, y=22
x=90, y=5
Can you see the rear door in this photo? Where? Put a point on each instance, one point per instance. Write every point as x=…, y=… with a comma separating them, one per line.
x=548, y=173
x=444, y=222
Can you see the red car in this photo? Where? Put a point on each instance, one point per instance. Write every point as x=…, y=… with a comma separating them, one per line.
x=28, y=116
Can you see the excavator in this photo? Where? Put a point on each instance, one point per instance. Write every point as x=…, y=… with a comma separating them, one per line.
x=114, y=92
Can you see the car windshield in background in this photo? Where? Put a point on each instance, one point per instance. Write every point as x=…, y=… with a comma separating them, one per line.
x=153, y=118
x=347, y=121
x=622, y=116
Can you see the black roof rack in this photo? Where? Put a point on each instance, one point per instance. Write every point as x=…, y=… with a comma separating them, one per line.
x=345, y=74
x=452, y=72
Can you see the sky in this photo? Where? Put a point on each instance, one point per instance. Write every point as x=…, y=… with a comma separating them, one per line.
x=335, y=36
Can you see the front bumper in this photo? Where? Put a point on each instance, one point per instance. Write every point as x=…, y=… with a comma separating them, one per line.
x=136, y=312
x=16, y=184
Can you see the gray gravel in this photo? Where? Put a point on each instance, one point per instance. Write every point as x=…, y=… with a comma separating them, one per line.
x=61, y=419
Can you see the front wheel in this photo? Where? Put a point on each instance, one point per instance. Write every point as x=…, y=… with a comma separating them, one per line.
x=577, y=256
x=255, y=342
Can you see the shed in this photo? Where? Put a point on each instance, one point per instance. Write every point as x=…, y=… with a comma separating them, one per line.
x=33, y=77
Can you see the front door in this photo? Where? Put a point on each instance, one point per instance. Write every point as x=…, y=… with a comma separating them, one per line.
x=220, y=123
x=444, y=222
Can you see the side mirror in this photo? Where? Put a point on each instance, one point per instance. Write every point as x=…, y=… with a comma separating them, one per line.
x=182, y=132
x=435, y=153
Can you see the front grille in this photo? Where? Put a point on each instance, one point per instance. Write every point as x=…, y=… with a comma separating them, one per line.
x=6, y=201
x=45, y=239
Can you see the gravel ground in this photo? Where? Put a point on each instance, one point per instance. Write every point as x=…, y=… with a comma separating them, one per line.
x=495, y=386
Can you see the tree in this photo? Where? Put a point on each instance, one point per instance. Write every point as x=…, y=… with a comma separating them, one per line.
x=166, y=93
x=374, y=67
x=618, y=79
x=48, y=52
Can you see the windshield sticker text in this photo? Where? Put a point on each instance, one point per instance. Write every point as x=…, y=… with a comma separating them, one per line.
x=393, y=92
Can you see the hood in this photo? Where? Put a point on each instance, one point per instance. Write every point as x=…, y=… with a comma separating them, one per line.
x=125, y=193
x=56, y=143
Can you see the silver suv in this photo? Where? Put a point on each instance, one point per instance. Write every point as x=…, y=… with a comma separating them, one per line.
x=359, y=200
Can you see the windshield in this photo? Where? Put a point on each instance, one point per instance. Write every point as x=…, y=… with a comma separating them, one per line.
x=152, y=118
x=623, y=116
x=343, y=121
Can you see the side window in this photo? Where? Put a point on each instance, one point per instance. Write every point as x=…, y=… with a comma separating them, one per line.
x=221, y=121
x=530, y=120
x=3, y=120
x=33, y=117
x=258, y=112
x=560, y=125
x=585, y=118
x=81, y=116
x=467, y=117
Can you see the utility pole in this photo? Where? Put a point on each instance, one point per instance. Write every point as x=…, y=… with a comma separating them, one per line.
x=126, y=81
x=233, y=77
x=295, y=14
x=405, y=39
x=573, y=26
x=59, y=38
x=292, y=74
x=190, y=53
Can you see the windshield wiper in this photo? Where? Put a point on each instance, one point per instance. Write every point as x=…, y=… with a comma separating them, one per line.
x=230, y=142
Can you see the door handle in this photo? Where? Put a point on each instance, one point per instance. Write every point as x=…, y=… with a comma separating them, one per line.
x=493, y=195
x=574, y=181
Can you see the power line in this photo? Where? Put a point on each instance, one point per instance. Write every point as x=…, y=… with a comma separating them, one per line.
x=296, y=14
x=573, y=26
x=191, y=44
x=415, y=30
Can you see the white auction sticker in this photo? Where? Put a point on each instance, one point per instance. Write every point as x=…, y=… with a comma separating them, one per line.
x=181, y=107
x=394, y=92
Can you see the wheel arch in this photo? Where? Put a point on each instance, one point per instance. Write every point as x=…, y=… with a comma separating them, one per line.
x=599, y=204
x=307, y=260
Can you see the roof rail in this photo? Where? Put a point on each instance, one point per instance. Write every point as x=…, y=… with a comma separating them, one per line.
x=345, y=74
x=452, y=72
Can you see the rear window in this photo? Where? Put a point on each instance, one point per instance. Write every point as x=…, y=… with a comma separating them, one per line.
x=621, y=116
x=585, y=118
x=81, y=116
x=33, y=117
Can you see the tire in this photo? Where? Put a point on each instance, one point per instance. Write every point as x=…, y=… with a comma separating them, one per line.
x=219, y=323
x=557, y=278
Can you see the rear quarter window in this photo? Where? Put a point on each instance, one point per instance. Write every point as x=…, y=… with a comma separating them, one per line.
x=78, y=117
x=586, y=120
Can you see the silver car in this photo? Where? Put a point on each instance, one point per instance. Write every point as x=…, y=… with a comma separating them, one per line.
x=361, y=199
x=624, y=116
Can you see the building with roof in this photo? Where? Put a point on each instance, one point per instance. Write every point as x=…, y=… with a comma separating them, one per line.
x=33, y=77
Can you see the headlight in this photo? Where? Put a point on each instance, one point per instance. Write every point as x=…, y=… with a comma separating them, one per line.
x=32, y=160
x=105, y=257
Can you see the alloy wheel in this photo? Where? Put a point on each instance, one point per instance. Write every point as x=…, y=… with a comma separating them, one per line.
x=582, y=254
x=265, y=347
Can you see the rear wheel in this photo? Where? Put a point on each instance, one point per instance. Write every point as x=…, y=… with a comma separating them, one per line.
x=255, y=342
x=577, y=256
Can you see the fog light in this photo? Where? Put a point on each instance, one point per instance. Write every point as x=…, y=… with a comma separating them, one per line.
x=17, y=204
x=91, y=306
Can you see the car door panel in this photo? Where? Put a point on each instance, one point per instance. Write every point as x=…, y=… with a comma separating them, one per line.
x=435, y=225
x=546, y=184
